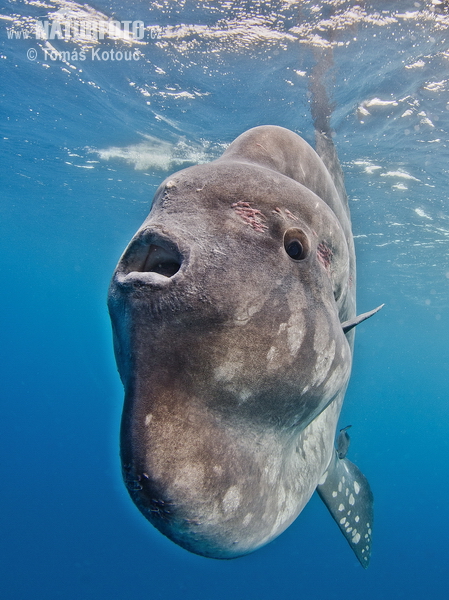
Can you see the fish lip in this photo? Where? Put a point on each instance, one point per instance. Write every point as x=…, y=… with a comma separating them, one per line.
x=154, y=258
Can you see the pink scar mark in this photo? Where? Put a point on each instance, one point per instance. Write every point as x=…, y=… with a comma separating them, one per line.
x=324, y=254
x=263, y=147
x=288, y=214
x=251, y=216
x=291, y=215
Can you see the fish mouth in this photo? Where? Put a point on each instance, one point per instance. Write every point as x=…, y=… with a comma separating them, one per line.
x=161, y=260
x=150, y=259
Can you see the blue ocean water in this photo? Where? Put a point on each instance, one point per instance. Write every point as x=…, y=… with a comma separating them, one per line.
x=84, y=144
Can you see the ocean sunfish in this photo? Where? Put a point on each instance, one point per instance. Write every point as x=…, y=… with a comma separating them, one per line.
x=233, y=310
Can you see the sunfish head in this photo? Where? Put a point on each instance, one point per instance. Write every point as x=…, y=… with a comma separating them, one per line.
x=226, y=310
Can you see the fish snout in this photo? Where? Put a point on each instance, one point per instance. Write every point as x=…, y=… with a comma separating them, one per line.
x=151, y=259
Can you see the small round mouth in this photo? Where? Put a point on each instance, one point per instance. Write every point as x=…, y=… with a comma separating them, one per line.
x=161, y=260
x=149, y=259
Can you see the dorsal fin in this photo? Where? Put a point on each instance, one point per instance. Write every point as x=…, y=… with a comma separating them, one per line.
x=321, y=109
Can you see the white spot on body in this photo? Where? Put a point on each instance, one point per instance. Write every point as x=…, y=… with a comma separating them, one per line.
x=285, y=515
x=343, y=520
x=281, y=496
x=357, y=519
x=227, y=371
x=334, y=494
x=324, y=347
x=340, y=487
x=356, y=487
x=245, y=393
x=356, y=538
x=148, y=419
x=341, y=507
x=231, y=499
x=290, y=335
x=282, y=327
x=271, y=354
x=246, y=521
x=250, y=303
x=351, y=500
x=295, y=332
x=323, y=478
x=271, y=469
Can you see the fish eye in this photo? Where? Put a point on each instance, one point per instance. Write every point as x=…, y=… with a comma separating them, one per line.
x=295, y=249
x=296, y=244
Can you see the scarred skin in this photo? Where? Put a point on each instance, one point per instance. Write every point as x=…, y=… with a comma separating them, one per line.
x=231, y=352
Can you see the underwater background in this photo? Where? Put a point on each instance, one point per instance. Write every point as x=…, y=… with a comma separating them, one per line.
x=84, y=144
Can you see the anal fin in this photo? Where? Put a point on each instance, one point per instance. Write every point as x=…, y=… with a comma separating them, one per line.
x=347, y=494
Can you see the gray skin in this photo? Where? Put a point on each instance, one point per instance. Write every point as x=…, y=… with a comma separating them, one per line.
x=231, y=352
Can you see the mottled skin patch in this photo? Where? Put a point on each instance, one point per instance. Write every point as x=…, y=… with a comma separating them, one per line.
x=235, y=349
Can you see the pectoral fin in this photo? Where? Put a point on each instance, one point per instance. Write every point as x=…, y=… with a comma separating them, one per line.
x=343, y=442
x=348, y=325
x=347, y=494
